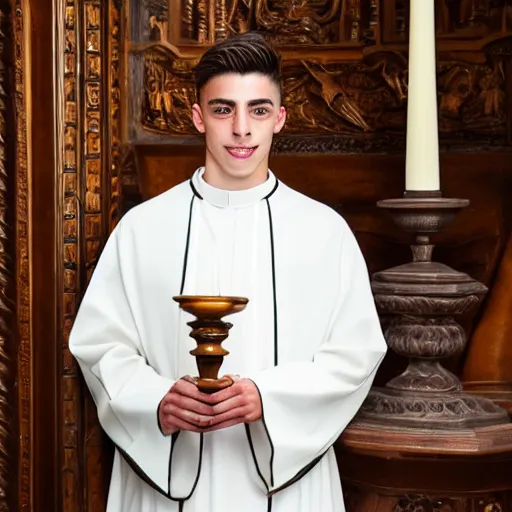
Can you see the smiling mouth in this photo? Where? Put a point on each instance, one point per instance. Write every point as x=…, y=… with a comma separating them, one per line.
x=241, y=152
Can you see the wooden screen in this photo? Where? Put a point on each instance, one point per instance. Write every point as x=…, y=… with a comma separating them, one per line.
x=94, y=116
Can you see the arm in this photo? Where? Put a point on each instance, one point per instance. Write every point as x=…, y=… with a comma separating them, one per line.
x=307, y=405
x=126, y=390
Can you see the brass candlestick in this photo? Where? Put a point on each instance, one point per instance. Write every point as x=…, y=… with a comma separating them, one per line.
x=209, y=331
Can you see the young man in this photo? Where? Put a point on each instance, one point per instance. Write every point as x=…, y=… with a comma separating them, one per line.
x=306, y=347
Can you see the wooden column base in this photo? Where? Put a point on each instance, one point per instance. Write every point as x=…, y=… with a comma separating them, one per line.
x=405, y=470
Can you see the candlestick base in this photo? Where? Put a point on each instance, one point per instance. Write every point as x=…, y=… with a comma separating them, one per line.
x=436, y=411
x=412, y=194
x=423, y=298
x=213, y=385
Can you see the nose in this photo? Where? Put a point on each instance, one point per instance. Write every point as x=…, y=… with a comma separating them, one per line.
x=241, y=124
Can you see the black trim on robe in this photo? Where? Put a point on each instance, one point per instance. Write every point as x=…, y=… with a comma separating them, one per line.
x=306, y=469
x=300, y=474
x=267, y=197
x=199, y=196
x=199, y=465
x=140, y=473
x=133, y=465
x=181, y=501
x=194, y=190
x=274, y=292
x=145, y=478
x=187, y=244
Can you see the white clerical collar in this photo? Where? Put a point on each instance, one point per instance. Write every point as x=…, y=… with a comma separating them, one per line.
x=233, y=198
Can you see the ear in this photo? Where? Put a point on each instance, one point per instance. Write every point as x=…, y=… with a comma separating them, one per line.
x=281, y=118
x=197, y=118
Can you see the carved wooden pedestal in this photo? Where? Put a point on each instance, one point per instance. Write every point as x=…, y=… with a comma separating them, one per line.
x=419, y=443
x=400, y=479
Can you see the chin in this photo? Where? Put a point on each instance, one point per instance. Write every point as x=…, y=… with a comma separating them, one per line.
x=245, y=177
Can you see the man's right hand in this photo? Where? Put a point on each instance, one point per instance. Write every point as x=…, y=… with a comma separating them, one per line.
x=184, y=407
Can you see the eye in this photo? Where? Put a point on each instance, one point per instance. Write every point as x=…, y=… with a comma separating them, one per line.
x=260, y=111
x=222, y=111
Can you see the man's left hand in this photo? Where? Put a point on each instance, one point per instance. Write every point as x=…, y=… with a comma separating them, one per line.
x=240, y=403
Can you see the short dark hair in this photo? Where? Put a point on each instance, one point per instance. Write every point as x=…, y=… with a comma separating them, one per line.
x=243, y=54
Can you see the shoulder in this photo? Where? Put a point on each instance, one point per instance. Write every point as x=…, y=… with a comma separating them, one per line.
x=162, y=208
x=306, y=211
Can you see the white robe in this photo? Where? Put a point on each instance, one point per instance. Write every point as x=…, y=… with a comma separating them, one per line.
x=309, y=338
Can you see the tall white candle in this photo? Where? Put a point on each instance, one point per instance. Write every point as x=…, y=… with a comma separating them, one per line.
x=422, y=154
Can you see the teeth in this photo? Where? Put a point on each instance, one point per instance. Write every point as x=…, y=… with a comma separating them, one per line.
x=241, y=151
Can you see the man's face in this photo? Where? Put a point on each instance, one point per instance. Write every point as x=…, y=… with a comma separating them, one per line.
x=239, y=114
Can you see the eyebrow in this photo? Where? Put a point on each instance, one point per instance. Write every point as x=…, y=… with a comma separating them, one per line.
x=231, y=103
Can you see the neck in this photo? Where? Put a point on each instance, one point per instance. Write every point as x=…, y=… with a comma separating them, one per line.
x=216, y=177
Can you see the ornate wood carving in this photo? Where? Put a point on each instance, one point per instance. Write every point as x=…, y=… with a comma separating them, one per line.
x=355, y=95
x=357, y=500
x=349, y=98
x=336, y=22
x=7, y=337
x=129, y=179
x=91, y=41
x=102, y=209
x=70, y=167
x=345, y=70
x=114, y=112
x=23, y=275
x=82, y=232
x=93, y=210
x=93, y=155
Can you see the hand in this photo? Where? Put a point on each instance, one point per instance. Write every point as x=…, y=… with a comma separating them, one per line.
x=240, y=403
x=184, y=407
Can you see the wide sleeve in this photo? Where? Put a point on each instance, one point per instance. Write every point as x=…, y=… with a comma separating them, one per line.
x=126, y=390
x=307, y=405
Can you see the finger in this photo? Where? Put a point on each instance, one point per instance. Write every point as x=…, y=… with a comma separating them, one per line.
x=190, y=404
x=225, y=394
x=173, y=422
x=190, y=379
x=226, y=405
x=225, y=424
x=192, y=418
x=189, y=389
x=238, y=412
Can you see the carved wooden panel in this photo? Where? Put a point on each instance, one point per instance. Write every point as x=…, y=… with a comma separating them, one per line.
x=129, y=85
x=23, y=274
x=360, y=23
x=91, y=62
x=7, y=332
x=357, y=500
x=71, y=396
x=114, y=124
x=349, y=83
